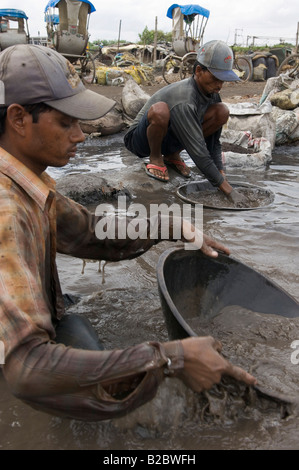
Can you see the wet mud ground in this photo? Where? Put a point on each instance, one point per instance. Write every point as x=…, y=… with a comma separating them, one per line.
x=123, y=304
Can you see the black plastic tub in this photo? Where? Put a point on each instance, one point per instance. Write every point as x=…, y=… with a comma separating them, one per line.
x=192, y=284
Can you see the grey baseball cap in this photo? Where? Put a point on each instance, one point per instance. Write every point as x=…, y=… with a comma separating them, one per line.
x=218, y=58
x=32, y=74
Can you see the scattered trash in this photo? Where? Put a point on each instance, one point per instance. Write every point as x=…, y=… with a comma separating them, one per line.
x=286, y=99
x=287, y=126
x=124, y=66
x=283, y=94
x=277, y=84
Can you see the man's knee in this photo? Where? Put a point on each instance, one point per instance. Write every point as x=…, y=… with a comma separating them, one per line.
x=223, y=113
x=219, y=112
x=159, y=114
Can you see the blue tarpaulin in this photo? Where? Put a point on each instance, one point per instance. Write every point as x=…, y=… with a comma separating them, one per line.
x=51, y=18
x=189, y=10
x=13, y=13
x=53, y=3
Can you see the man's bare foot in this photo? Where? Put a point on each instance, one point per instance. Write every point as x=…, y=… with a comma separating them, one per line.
x=158, y=172
x=179, y=165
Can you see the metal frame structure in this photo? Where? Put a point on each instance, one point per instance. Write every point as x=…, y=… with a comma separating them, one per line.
x=13, y=28
x=188, y=26
x=67, y=30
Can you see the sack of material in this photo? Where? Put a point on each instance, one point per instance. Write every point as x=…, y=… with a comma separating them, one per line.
x=246, y=151
x=133, y=98
x=253, y=118
x=287, y=125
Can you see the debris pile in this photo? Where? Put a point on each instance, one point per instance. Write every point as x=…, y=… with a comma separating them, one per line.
x=283, y=94
x=123, y=67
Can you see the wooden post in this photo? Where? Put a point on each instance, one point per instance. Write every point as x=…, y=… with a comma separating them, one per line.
x=155, y=42
x=143, y=51
x=297, y=34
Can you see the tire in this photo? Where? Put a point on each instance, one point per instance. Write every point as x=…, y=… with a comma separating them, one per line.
x=171, y=69
x=186, y=68
x=243, y=67
x=290, y=65
x=87, y=69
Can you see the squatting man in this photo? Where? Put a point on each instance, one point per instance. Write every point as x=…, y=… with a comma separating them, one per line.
x=188, y=115
x=53, y=361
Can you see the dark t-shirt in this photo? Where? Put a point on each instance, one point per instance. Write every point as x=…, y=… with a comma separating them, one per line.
x=187, y=105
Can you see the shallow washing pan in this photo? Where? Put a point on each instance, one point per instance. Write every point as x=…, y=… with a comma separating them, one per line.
x=203, y=192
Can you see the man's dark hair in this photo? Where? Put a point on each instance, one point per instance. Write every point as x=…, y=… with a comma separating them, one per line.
x=34, y=109
x=196, y=63
x=3, y=112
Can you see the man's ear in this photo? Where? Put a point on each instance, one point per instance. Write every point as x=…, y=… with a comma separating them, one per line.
x=198, y=69
x=17, y=118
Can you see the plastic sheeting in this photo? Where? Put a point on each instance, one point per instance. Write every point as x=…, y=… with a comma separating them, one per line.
x=53, y=4
x=189, y=10
x=13, y=13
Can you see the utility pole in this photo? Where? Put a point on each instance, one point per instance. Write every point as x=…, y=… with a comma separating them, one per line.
x=155, y=42
x=119, y=30
x=236, y=35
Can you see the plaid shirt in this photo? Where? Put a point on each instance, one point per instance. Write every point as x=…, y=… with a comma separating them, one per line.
x=35, y=223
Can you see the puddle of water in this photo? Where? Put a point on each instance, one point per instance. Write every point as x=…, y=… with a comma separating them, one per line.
x=266, y=239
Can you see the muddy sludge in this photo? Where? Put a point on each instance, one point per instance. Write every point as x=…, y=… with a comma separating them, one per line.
x=256, y=197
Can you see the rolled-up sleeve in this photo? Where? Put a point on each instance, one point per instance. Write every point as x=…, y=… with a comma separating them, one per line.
x=108, y=237
x=87, y=385
x=78, y=233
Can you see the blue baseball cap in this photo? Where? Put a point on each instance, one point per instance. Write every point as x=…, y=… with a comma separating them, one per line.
x=218, y=57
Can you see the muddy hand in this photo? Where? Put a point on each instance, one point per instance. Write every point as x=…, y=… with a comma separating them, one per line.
x=238, y=199
x=211, y=247
x=206, y=244
x=240, y=374
x=204, y=365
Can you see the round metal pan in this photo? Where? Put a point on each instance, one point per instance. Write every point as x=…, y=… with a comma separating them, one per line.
x=189, y=192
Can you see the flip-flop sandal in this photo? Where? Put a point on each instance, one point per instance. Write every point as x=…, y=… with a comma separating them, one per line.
x=163, y=169
x=176, y=164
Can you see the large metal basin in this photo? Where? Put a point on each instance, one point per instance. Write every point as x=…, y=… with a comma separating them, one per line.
x=194, y=285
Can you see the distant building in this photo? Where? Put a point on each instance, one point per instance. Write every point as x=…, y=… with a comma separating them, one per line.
x=38, y=40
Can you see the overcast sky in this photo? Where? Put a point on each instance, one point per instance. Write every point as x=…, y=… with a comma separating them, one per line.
x=272, y=19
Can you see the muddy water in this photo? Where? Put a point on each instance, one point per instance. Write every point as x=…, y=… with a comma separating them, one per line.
x=122, y=302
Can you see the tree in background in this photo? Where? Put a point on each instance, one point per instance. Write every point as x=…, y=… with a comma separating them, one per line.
x=106, y=42
x=148, y=36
